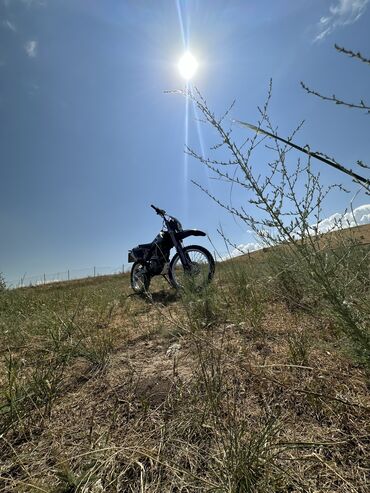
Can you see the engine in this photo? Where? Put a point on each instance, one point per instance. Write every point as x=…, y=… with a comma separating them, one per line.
x=161, y=253
x=156, y=265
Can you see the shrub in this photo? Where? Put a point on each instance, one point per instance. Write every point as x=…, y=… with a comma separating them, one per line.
x=284, y=210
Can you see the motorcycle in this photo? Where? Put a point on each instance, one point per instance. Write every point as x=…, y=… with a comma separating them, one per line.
x=191, y=265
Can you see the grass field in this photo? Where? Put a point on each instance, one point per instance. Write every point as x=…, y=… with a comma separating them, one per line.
x=250, y=386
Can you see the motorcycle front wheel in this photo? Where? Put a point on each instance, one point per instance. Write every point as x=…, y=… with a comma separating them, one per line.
x=140, y=280
x=200, y=273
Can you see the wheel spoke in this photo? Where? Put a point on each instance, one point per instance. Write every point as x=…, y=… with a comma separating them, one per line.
x=139, y=278
x=199, y=273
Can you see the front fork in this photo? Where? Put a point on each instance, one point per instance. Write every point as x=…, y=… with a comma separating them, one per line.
x=183, y=257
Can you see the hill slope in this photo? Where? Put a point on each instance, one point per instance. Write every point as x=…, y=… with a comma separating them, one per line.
x=358, y=234
x=233, y=389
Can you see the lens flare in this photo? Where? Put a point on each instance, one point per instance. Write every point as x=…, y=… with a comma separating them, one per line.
x=187, y=66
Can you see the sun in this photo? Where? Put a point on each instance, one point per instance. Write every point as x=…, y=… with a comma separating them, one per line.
x=187, y=65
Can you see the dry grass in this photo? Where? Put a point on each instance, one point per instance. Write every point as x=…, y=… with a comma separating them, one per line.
x=228, y=391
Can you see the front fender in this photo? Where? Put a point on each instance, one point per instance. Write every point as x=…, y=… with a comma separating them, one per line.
x=180, y=235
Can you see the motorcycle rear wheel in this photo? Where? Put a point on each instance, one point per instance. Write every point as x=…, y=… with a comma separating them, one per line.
x=201, y=272
x=140, y=280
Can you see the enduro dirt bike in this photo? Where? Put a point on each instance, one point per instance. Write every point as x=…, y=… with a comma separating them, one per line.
x=192, y=265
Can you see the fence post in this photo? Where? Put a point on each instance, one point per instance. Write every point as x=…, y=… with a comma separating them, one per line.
x=68, y=274
x=94, y=270
x=123, y=268
x=44, y=278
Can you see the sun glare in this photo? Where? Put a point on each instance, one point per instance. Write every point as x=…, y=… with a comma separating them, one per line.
x=187, y=65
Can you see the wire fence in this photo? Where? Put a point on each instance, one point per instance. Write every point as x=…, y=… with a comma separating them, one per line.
x=67, y=275
x=74, y=274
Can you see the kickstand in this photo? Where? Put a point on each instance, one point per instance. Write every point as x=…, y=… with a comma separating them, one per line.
x=169, y=282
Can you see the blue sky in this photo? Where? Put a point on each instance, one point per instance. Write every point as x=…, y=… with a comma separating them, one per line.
x=89, y=139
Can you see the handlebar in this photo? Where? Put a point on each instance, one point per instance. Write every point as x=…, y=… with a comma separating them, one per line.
x=160, y=212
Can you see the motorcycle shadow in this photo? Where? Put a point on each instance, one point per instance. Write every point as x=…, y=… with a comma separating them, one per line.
x=163, y=296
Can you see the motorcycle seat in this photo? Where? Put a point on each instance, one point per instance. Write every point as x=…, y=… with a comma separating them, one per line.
x=145, y=245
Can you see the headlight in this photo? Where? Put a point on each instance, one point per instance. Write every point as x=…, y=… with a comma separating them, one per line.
x=175, y=224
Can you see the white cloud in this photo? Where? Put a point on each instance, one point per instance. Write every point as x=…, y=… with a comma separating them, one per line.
x=31, y=48
x=357, y=217
x=242, y=249
x=27, y=3
x=9, y=25
x=36, y=3
x=342, y=13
